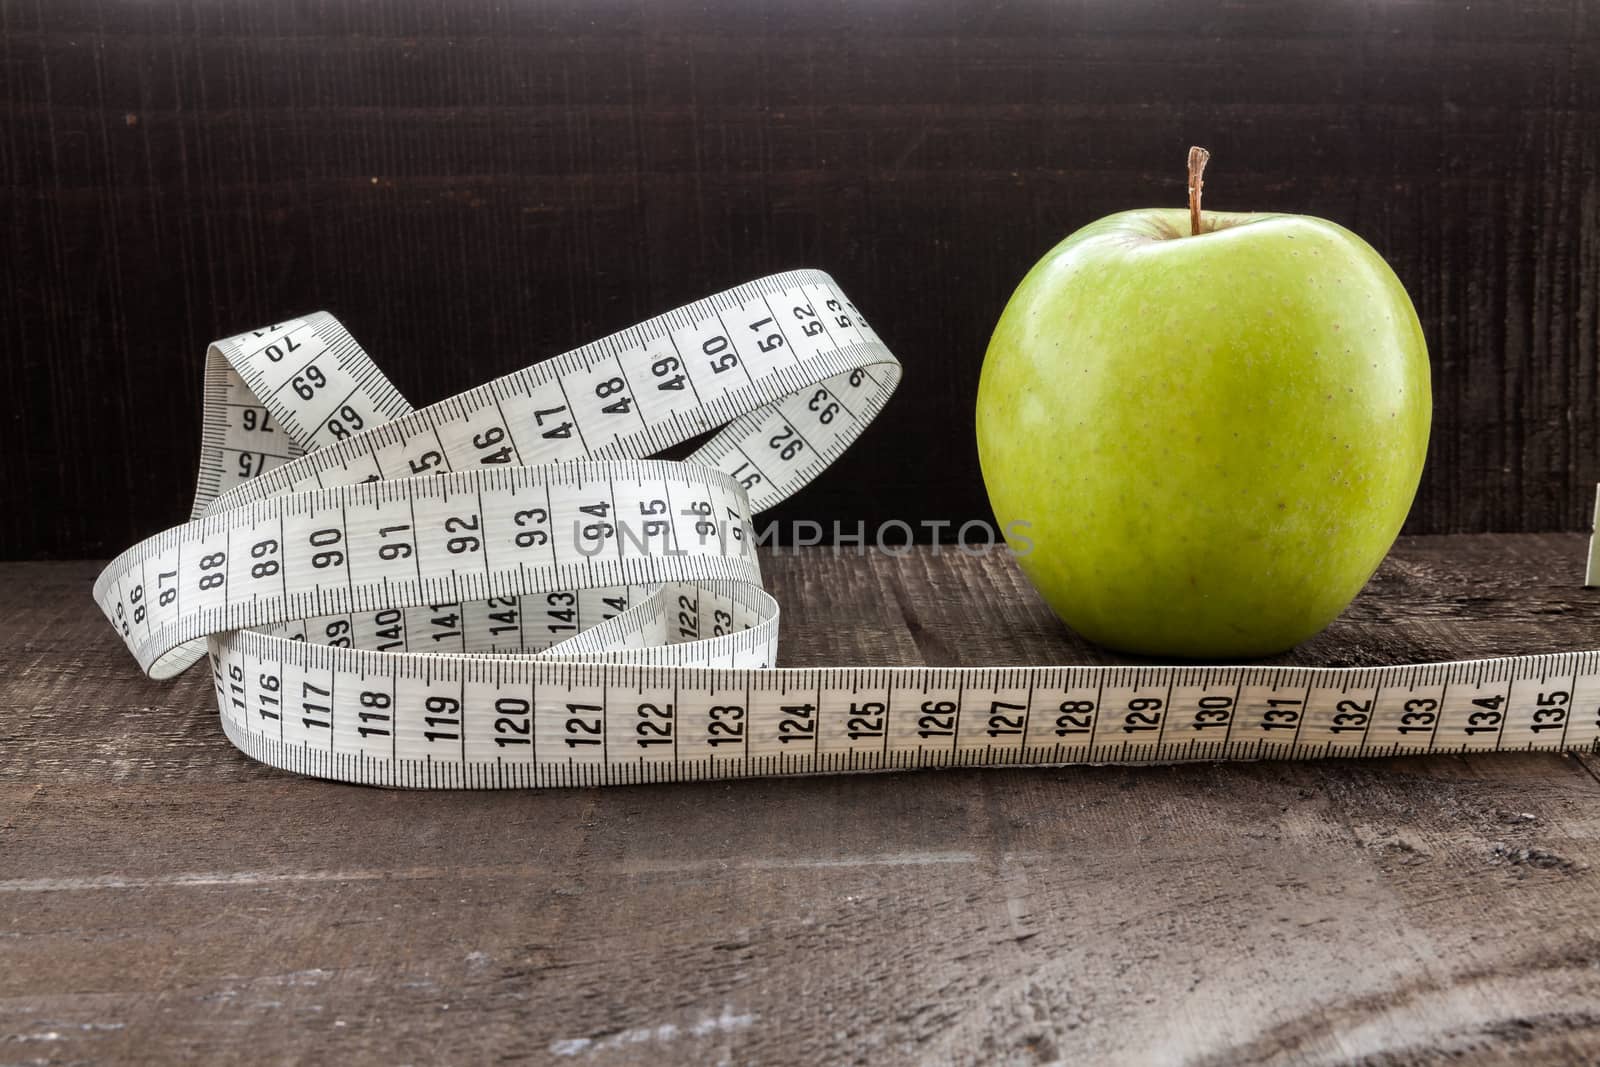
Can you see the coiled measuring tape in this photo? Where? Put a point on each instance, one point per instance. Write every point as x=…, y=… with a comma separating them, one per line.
x=500, y=590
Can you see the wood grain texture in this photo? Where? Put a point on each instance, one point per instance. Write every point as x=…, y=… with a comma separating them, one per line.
x=164, y=899
x=476, y=185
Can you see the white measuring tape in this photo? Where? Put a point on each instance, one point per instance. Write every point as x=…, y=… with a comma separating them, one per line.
x=498, y=590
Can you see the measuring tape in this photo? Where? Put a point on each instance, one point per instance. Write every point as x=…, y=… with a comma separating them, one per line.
x=501, y=590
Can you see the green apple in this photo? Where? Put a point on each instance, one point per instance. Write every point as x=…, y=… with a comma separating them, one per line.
x=1203, y=441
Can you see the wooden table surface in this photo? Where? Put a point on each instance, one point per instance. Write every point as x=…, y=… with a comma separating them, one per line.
x=163, y=898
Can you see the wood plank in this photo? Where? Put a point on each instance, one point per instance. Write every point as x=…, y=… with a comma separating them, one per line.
x=166, y=899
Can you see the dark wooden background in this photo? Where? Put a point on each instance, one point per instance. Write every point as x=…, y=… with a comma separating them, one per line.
x=475, y=185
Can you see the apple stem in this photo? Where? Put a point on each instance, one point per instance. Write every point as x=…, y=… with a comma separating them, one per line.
x=1197, y=168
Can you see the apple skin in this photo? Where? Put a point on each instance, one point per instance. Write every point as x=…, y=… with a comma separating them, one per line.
x=1214, y=438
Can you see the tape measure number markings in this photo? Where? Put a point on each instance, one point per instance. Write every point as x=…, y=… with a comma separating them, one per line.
x=507, y=722
x=557, y=610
